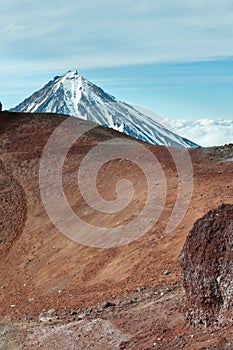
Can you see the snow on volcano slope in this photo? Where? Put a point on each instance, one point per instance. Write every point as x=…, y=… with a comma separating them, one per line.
x=74, y=95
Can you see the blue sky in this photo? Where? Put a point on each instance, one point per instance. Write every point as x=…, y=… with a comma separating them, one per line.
x=175, y=57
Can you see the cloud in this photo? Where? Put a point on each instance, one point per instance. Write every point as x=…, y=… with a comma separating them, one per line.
x=100, y=33
x=205, y=132
x=49, y=37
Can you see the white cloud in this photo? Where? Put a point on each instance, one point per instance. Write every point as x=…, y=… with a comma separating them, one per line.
x=205, y=132
x=102, y=33
x=49, y=37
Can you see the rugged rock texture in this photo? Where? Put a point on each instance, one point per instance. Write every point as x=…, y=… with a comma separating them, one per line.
x=12, y=208
x=207, y=268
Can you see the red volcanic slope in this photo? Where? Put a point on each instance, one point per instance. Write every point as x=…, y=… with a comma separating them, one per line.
x=42, y=269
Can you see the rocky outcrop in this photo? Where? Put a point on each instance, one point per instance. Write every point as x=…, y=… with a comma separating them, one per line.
x=207, y=268
x=13, y=208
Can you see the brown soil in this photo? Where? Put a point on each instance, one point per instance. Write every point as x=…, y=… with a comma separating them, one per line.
x=42, y=269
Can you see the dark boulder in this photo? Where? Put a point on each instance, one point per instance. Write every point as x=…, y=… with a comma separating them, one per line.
x=207, y=268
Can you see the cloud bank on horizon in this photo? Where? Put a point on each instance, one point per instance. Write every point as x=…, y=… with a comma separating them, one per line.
x=205, y=132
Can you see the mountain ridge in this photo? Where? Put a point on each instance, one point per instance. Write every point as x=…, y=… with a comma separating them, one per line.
x=137, y=287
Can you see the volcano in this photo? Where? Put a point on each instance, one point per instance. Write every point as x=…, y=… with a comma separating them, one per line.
x=74, y=95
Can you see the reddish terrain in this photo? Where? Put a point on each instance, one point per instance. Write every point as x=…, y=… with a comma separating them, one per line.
x=127, y=297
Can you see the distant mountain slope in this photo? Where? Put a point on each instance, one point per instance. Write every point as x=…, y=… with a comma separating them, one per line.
x=74, y=95
x=206, y=132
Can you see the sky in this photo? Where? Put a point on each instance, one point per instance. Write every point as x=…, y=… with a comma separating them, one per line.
x=172, y=56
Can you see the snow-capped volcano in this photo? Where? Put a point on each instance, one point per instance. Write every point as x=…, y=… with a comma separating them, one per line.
x=74, y=95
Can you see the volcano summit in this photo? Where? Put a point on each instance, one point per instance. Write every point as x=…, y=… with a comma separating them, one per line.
x=74, y=95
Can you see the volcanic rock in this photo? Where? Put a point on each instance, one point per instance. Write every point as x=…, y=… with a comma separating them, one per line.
x=207, y=268
x=13, y=208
